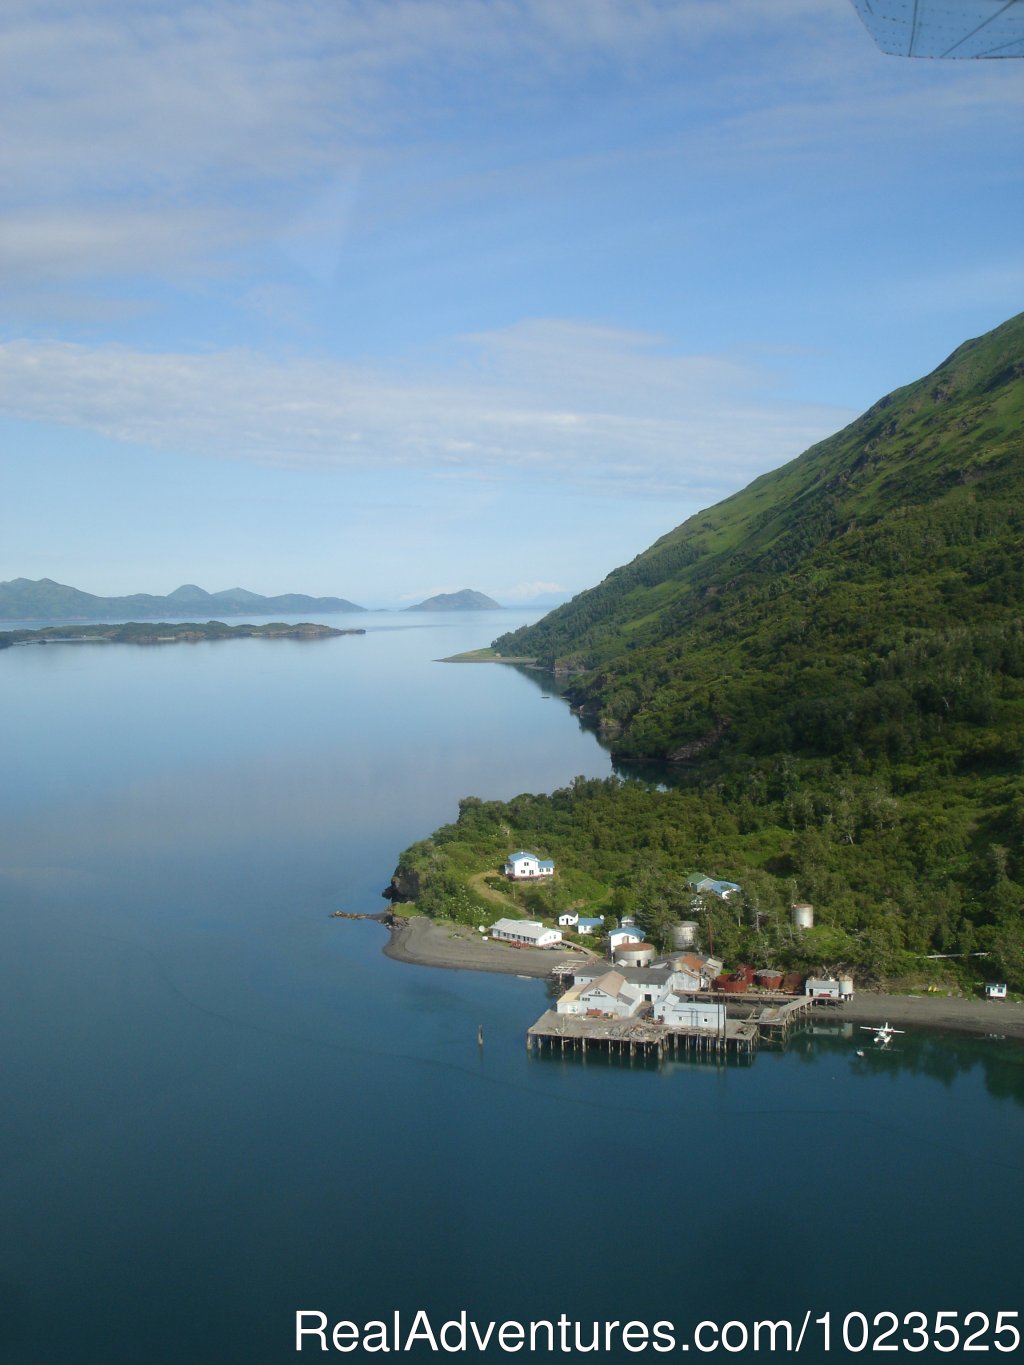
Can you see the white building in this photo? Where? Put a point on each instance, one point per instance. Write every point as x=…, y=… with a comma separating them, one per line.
x=698, y=969
x=822, y=987
x=609, y=994
x=617, y=937
x=569, y=919
x=528, y=932
x=678, y=1011
x=995, y=990
x=523, y=866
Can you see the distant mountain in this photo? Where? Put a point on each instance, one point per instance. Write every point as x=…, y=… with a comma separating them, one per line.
x=466, y=600
x=24, y=599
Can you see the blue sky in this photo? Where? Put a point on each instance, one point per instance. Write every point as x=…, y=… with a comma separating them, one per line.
x=386, y=297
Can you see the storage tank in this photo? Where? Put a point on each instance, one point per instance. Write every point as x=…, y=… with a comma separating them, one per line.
x=803, y=916
x=684, y=934
x=732, y=985
x=634, y=954
x=769, y=979
x=846, y=988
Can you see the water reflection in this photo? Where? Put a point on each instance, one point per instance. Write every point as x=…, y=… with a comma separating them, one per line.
x=942, y=1057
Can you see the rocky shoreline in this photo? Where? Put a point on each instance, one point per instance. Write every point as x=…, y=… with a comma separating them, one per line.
x=430, y=943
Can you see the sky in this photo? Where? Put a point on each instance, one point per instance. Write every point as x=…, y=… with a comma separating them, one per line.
x=382, y=298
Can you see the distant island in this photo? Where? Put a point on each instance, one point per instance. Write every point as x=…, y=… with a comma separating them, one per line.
x=165, y=632
x=466, y=600
x=25, y=599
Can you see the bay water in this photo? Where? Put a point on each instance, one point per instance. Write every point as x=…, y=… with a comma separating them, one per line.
x=222, y=1107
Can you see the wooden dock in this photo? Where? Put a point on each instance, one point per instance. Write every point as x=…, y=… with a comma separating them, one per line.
x=772, y=1013
x=637, y=1037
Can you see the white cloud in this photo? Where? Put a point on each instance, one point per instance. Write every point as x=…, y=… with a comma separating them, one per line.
x=612, y=411
x=529, y=592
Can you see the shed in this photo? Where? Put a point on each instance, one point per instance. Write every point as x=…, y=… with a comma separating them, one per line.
x=822, y=988
x=995, y=990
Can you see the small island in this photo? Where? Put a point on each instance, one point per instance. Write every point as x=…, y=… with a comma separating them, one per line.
x=465, y=600
x=164, y=632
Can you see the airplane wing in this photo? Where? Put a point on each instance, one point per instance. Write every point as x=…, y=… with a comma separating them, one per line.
x=945, y=28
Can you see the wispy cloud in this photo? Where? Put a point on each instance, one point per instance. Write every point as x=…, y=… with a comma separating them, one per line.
x=168, y=134
x=612, y=410
x=530, y=592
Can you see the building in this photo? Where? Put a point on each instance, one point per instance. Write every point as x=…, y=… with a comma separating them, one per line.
x=617, y=937
x=995, y=990
x=824, y=988
x=572, y=919
x=526, y=932
x=679, y=1011
x=610, y=994
x=653, y=980
x=524, y=867
x=709, y=886
x=698, y=966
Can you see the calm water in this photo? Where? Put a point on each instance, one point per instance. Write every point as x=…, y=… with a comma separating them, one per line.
x=221, y=1106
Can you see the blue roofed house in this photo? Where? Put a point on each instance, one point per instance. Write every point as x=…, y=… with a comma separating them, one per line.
x=523, y=866
x=627, y=934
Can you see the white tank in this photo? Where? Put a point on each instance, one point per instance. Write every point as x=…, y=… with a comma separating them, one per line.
x=684, y=934
x=803, y=916
x=845, y=987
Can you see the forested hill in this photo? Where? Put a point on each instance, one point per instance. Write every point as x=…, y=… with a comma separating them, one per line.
x=861, y=604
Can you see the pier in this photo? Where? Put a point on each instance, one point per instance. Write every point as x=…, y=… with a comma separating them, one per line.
x=637, y=1037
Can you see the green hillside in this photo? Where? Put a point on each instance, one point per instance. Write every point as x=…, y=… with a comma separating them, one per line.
x=863, y=599
x=827, y=672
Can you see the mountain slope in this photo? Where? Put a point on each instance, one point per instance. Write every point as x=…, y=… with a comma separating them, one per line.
x=863, y=599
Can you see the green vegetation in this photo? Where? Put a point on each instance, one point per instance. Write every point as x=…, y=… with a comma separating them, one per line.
x=163, y=632
x=861, y=601
x=891, y=880
x=485, y=656
x=828, y=667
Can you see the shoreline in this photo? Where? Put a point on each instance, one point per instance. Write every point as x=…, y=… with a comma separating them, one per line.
x=427, y=943
x=456, y=947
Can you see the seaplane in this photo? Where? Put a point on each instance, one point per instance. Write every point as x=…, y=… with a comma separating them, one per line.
x=884, y=1034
